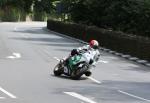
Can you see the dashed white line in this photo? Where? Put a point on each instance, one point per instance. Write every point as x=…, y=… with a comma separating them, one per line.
x=17, y=55
x=79, y=96
x=56, y=58
x=9, y=94
x=10, y=57
x=14, y=56
x=134, y=96
x=95, y=80
x=102, y=61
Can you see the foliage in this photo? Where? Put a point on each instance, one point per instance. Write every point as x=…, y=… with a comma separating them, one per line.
x=40, y=8
x=12, y=14
x=131, y=16
x=24, y=5
x=43, y=6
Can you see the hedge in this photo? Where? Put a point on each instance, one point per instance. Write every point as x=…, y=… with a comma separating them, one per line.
x=12, y=14
x=117, y=41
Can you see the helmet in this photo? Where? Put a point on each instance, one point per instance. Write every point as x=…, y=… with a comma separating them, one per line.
x=94, y=44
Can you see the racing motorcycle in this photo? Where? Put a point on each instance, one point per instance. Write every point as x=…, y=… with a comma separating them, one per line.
x=75, y=66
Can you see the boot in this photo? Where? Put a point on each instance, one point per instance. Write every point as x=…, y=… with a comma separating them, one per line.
x=88, y=73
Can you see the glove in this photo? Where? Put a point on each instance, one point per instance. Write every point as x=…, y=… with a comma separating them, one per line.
x=74, y=51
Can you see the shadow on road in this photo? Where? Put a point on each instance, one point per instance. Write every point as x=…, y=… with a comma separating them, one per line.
x=40, y=36
x=67, y=77
x=32, y=30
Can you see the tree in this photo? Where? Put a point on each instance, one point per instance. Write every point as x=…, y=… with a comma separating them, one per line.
x=42, y=8
x=24, y=5
x=131, y=16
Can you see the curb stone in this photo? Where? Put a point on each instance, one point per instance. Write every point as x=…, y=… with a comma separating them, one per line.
x=135, y=59
x=147, y=64
x=112, y=52
x=118, y=54
x=142, y=61
x=125, y=56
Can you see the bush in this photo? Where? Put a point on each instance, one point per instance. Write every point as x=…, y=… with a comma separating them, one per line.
x=1, y=13
x=39, y=16
x=130, y=16
x=11, y=14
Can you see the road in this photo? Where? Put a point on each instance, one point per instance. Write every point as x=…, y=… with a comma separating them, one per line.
x=27, y=52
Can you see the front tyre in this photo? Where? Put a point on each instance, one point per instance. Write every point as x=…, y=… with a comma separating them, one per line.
x=58, y=70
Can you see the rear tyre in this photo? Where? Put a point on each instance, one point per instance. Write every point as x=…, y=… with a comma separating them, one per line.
x=75, y=75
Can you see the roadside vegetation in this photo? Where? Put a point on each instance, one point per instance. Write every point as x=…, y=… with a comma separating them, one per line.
x=130, y=16
x=19, y=10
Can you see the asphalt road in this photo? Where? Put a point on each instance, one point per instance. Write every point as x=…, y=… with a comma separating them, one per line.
x=27, y=52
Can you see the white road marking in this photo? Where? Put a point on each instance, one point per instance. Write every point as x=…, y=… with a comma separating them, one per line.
x=102, y=61
x=17, y=29
x=17, y=55
x=2, y=97
x=9, y=94
x=134, y=96
x=56, y=58
x=10, y=57
x=80, y=97
x=14, y=56
x=94, y=80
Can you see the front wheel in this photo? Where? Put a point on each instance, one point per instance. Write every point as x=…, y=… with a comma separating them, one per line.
x=58, y=70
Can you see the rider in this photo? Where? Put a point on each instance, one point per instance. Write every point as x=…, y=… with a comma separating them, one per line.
x=93, y=46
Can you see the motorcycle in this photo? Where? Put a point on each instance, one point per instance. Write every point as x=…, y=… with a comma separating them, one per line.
x=75, y=66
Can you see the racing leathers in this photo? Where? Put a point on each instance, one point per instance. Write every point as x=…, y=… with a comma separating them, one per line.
x=93, y=54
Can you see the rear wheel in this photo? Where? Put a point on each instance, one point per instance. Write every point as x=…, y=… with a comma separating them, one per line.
x=76, y=74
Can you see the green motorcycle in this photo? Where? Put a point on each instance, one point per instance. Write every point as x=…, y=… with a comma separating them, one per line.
x=74, y=67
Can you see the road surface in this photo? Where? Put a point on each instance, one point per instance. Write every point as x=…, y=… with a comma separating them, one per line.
x=27, y=52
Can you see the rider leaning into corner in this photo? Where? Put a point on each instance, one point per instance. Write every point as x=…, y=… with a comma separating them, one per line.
x=92, y=48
